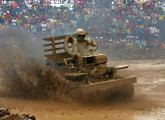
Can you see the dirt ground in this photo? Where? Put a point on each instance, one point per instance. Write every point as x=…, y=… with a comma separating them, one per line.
x=148, y=102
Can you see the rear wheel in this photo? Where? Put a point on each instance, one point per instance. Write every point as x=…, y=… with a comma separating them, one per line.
x=49, y=63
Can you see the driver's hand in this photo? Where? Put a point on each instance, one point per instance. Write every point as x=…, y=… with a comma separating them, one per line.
x=69, y=36
x=72, y=35
x=94, y=45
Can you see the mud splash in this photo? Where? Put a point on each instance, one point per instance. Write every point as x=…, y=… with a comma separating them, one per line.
x=30, y=78
x=24, y=73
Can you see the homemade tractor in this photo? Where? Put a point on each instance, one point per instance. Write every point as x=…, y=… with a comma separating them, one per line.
x=93, y=73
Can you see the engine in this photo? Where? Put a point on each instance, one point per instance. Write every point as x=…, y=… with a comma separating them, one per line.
x=95, y=65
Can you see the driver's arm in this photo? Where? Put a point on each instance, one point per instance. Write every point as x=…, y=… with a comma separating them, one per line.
x=91, y=42
x=75, y=47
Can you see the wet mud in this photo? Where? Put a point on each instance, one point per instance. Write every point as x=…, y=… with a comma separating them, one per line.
x=147, y=103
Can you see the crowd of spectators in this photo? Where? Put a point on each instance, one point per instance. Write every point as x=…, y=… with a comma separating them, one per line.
x=111, y=24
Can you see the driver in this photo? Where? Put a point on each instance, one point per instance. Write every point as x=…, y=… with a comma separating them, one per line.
x=80, y=46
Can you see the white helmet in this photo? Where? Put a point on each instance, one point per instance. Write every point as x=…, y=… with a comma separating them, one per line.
x=80, y=32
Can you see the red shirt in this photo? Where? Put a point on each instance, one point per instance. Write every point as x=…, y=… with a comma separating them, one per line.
x=120, y=8
x=42, y=6
x=7, y=14
x=147, y=30
x=131, y=25
x=162, y=45
x=118, y=17
x=17, y=16
x=75, y=3
x=8, y=19
x=14, y=5
x=38, y=20
x=82, y=3
x=151, y=4
x=42, y=16
x=47, y=4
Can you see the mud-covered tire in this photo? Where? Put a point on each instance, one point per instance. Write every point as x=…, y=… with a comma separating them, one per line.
x=49, y=63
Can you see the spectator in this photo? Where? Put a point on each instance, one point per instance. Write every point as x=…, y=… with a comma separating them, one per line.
x=43, y=26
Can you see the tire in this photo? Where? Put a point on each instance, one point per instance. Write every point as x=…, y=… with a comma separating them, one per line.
x=49, y=63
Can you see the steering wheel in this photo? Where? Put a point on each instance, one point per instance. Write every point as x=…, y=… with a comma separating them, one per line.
x=68, y=39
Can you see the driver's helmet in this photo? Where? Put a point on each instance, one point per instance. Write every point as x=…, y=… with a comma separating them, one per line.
x=80, y=32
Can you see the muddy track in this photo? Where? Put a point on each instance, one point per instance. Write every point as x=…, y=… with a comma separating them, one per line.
x=147, y=103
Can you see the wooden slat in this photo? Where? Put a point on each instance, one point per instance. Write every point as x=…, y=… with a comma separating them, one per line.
x=47, y=39
x=55, y=38
x=47, y=45
x=47, y=50
x=59, y=48
x=58, y=43
x=60, y=37
x=48, y=55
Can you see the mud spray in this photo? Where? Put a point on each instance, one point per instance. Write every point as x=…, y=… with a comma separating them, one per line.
x=25, y=74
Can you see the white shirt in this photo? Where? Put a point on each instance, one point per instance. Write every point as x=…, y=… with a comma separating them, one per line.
x=14, y=22
x=29, y=6
x=152, y=30
x=74, y=23
x=43, y=26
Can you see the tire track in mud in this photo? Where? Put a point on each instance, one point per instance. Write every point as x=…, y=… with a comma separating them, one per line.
x=149, y=89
